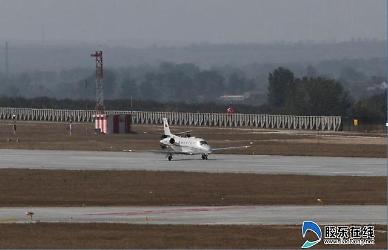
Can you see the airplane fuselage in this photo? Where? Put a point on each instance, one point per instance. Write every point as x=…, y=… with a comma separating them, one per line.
x=185, y=145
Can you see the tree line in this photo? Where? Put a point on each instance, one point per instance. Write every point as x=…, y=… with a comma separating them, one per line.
x=167, y=82
x=317, y=95
x=187, y=88
x=124, y=104
x=188, y=82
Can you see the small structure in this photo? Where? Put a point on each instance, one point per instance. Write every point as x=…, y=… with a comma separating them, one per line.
x=113, y=124
x=14, y=124
x=230, y=110
x=101, y=123
x=29, y=215
x=232, y=98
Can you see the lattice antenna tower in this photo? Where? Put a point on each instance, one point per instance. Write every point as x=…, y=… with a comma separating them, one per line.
x=99, y=81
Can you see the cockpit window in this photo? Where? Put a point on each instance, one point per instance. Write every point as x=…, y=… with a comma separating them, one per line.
x=203, y=142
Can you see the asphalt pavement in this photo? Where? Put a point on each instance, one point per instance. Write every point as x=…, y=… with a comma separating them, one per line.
x=252, y=215
x=260, y=164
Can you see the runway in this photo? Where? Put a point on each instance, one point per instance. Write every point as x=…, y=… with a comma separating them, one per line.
x=255, y=215
x=260, y=164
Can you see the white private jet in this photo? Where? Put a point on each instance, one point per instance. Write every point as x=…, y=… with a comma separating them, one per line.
x=189, y=145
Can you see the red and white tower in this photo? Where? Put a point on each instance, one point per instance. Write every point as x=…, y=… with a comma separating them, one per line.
x=99, y=82
x=100, y=117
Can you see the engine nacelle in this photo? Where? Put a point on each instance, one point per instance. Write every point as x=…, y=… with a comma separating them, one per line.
x=172, y=141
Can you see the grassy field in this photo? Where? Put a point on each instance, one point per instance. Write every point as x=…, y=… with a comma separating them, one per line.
x=110, y=236
x=43, y=135
x=20, y=187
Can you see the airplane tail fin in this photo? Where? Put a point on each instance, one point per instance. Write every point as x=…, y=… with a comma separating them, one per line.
x=166, y=127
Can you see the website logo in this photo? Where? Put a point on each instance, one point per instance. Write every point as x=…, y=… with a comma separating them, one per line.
x=314, y=228
x=339, y=234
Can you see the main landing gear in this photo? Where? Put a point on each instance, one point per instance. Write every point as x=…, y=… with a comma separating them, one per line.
x=204, y=156
x=169, y=157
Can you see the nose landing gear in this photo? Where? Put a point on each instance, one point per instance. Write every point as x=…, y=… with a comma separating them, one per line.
x=204, y=156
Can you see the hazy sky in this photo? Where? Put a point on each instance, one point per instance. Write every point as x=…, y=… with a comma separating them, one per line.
x=191, y=21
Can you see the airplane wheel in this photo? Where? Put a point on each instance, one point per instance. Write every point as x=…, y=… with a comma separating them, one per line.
x=170, y=157
x=204, y=157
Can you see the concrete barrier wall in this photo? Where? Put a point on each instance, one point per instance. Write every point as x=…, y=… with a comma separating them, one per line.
x=329, y=123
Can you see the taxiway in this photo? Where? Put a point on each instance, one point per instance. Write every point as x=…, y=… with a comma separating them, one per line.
x=252, y=215
x=260, y=164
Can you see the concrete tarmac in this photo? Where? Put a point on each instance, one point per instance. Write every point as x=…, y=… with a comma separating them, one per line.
x=260, y=164
x=255, y=215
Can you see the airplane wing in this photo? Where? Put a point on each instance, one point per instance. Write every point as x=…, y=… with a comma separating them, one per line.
x=184, y=132
x=168, y=152
x=227, y=148
x=165, y=151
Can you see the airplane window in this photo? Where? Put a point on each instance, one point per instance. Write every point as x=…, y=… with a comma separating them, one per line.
x=203, y=142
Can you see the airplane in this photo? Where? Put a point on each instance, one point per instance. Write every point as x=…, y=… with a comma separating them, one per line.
x=189, y=145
